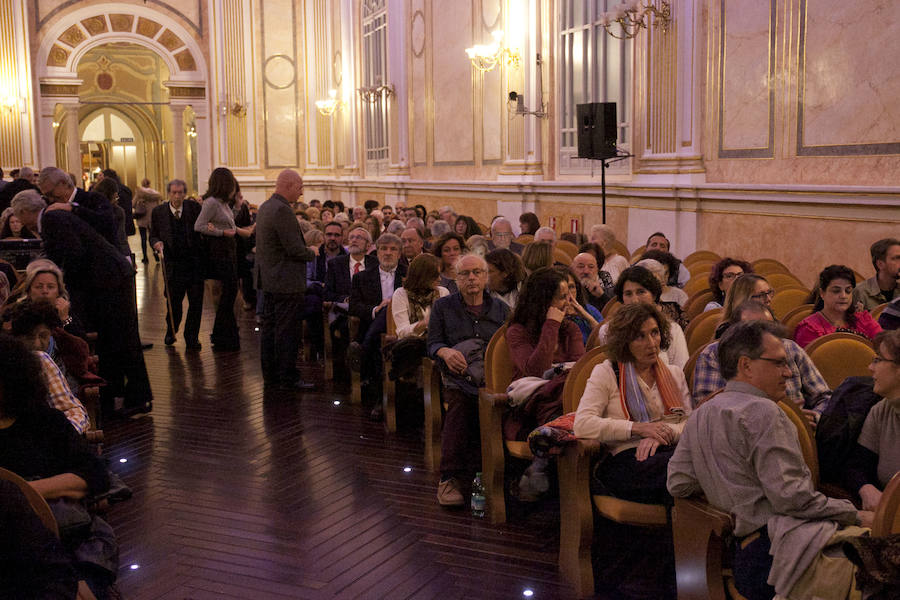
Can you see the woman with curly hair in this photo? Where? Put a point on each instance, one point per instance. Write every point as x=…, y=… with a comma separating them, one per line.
x=835, y=310
x=466, y=227
x=722, y=275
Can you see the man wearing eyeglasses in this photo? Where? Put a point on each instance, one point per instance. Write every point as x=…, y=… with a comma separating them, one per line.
x=93, y=208
x=741, y=450
x=460, y=327
x=502, y=236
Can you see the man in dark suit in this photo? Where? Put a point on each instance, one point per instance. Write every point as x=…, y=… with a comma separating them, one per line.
x=370, y=293
x=99, y=281
x=502, y=236
x=315, y=284
x=91, y=207
x=173, y=237
x=338, y=276
x=281, y=257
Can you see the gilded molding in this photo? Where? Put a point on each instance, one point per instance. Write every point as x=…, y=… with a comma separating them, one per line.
x=185, y=60
x=58, y=56
x=187, y=92
x=72, y=36
x=58, y=89
x=95, y=25
x=170, y=40
x=121, y=22
x=147, y=27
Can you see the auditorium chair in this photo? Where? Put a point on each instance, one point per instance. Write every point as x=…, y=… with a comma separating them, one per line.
x=525, y=238
x=700, y=255
x=701, y=268
x=37, y=502
x=780, y=281
x=637, y=254
x=610, y=309
x=702, y=328
x=786, y=300
x=388, y=386
x=492, y=404
x=561, y=256
x=576, y=504
x=696, y=284
x=593, y=338
x=697, y=303
x=840, y=355
x=700, y=531
x=569, y=248
x=876, y=312
x=692, y=363
x=434, y=413
x=355, y=378
x=621, y=249
x=793, y=318
x=887, y=515
x=767, y=266
x=485, y=229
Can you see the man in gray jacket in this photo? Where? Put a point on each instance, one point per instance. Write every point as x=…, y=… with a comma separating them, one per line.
x=741, y=450
x=281, y=257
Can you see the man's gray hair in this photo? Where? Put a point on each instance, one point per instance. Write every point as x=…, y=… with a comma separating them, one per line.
x=27, y=201
x=396, y=227
x=417, y=223
x=26, y=173
x=744, y=339
x=439, y=228
x=53, y=176
x=448, y=209
x=604, y=232
x=499, y=220
x=388, y=238
x=543, y=230
x=463, y=257
x=176, y=182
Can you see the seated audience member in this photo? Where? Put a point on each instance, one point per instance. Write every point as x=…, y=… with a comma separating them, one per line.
x=387, y=212
x=835, y=310
x=430, y=218
x=11, y=227
x=413, y=244
x=528, y=223
x=597, y=292
x=466, y=227
x=723, y=274
x=331, y=248
x=741, y=450
x=885, y=286
x=439, y=229
x=637, y=285
x=359, y=213
x=338, y=279
x=671, y=308
x=605, y=237
x=32, y=323
x=748, y=286
x=411, y=212
x=326, y=215
x=505, y=276
x=449, y=247
x=477, y=244
x=448, y=215
x=671, y=266
x=39, y=444
x=537, y=255
x=411, y=304
x=545, y=234
x=876, y=456
x=805, y=387
x=459, y=330
x=658, y=241
x=421, y=211
x=502, y=236
x=21, y=181
x=890, y=316
x=579, y=311
x=636, y=404
x=397, y=227
x=370, y=293
x=540, y=337
x=573, y=238
x=44, y=280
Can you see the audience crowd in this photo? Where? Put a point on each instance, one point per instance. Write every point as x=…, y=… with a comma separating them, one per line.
x=378, y=280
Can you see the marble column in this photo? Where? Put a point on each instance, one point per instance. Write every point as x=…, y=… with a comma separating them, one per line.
x=178, y=153
x=73, y=145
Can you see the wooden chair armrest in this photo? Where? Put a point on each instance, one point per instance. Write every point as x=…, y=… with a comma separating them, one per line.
x=699, y=531
x=434, y=417
x=576, y=513
x=491, y=407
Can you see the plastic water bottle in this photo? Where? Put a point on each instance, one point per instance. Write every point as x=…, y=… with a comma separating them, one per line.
x=478, y=499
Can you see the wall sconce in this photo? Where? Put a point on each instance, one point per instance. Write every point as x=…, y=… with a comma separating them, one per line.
x=632, y=16
x=55, y=124
x=238, y=108
x=192, y=131
x=11, y=104
x=485, y=57
x=327, y=107
x=371, y=94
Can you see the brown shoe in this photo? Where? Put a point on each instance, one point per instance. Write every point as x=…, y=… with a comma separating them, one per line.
x=448, y=493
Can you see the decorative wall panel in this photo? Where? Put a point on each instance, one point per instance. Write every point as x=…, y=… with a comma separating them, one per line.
x=453, y=102
x=279, y=22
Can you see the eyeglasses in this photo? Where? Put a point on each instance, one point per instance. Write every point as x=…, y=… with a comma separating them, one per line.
x=880, y=359
x=475, y=272
x=501, y=234
x=731, y=275
x=770, y=294
x=781, y=363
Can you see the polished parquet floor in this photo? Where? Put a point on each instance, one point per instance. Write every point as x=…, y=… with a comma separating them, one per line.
x=239, y=494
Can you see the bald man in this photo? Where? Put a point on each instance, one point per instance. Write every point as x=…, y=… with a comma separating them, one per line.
x=281, y=257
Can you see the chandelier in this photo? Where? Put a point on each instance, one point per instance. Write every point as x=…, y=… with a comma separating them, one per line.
x=327, y=107
x=485, y=57
x=632, y=16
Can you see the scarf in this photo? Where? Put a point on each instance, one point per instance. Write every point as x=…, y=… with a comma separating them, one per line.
x=419, y=303
x=634, y=405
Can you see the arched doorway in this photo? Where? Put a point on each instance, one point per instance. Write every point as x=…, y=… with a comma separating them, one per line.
x=139, y=65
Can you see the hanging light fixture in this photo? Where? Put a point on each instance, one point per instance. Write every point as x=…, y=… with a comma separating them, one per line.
x=485, y=57
x=634, y=15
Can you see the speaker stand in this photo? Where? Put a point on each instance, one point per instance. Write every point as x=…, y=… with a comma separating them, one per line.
x=605, y=162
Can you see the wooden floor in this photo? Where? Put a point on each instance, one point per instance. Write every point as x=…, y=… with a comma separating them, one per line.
x=241, y=495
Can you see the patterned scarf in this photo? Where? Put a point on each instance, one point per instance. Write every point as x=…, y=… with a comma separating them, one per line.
x=634, y=405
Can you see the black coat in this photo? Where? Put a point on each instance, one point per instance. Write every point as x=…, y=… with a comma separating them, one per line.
x=365, y=293
x=96, y=210
x=191, y=262
x=337, y=277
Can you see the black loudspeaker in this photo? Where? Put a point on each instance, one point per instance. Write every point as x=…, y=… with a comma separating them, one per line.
x=596, y=130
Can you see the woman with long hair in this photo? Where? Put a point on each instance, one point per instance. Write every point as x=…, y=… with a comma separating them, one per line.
x=723, y=274
x=528, y=223
x=505, y=275
x=466, y=227
x=835, y=309
x=449, y=247
x=748, y=286
x=411, y=304
x=581, y=312
x=11, y=227
x=216, y=224
x=537, y=255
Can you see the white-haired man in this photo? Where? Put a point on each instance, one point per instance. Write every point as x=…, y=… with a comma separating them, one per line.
x=502, y=236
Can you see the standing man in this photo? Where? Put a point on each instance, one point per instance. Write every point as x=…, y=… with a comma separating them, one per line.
x=91, y=207
x=885, y=286
x=281, y=257
x=173, y=237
